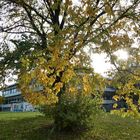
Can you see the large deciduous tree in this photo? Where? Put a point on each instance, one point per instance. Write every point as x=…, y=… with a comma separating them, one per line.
x=42, y=40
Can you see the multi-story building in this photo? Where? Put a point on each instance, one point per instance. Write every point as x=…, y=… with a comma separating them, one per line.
x=14, y=101
x=108, y=100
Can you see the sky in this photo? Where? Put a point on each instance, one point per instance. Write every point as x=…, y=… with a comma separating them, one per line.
x=101, y=63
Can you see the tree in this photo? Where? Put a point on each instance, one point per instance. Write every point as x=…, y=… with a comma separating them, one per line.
x=126, y=79
x=47, y=35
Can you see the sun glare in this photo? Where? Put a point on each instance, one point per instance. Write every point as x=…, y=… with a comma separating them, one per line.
x=122, y=54
x=101, y=63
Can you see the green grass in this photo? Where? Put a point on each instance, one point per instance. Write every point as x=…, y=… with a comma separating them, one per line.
x=18, y=115
x=34, y=126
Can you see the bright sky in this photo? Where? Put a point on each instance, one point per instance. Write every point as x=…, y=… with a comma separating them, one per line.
x=101, y=64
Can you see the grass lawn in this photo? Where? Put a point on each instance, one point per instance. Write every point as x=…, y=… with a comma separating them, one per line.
x=34, y=126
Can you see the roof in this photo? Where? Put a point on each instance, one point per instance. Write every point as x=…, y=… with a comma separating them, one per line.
x=8, y=86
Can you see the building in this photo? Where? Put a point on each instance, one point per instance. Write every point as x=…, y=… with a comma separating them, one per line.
x=13, y=100
x=108, y=100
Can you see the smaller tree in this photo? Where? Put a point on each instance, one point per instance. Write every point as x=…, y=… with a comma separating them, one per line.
x=126, y=79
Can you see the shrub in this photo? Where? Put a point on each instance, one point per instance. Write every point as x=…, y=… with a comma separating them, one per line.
x=73, y=112
x=47, y=110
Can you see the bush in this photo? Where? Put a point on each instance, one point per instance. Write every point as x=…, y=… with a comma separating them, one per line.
x=73, y=112
x=47, y=110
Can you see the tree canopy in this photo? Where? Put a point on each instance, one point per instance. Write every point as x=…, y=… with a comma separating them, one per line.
x=43, y=39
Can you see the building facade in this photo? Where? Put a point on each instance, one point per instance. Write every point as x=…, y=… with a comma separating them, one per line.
x=14, y=101
x=108, y=100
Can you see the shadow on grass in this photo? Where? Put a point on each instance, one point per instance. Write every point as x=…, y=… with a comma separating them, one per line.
x=47, y=132
x=39, y=127
x=35, y=128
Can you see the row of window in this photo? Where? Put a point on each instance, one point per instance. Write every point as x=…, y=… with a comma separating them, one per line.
x=10, y=91
x=14, y=100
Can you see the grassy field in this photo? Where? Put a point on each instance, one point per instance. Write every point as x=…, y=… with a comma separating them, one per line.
x=34, y=126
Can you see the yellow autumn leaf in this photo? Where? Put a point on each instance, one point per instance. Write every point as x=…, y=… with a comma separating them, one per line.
x=72, y=89
x=108, y=9
x=58, y=87
x=116, y=97
x=115, y=105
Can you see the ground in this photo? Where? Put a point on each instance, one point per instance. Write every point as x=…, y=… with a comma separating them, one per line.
x=34, y=126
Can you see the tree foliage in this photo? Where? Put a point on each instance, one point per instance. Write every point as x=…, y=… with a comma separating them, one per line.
x=48, y=37
x=126, y=79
